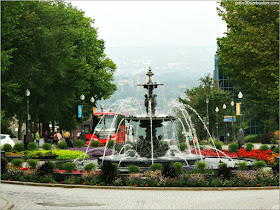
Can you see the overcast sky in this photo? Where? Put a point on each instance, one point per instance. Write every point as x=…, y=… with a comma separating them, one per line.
x=155, y=23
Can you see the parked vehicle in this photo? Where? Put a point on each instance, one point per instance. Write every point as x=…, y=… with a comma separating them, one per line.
x=6, y=139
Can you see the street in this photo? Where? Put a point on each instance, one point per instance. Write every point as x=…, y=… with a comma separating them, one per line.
x=38, y=197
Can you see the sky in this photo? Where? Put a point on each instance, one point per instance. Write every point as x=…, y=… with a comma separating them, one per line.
x=155, y=23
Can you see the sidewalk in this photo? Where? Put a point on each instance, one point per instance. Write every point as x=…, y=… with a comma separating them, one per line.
x=6, y=204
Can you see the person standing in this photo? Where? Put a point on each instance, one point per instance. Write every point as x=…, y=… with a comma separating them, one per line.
x=37, y=138
x=45, y=135
x=58, y=137
x=55, y=138
x=67, y=138
x=51, y=136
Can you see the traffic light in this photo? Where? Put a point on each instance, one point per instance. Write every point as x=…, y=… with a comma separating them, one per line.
x=207, y=120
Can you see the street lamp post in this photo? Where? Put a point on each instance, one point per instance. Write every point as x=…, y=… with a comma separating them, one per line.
x=83, y=135
x=93, y=125
x=241, y=132
x=217, y=123
x=28, y=136
x=232, y=127
x=225, y=126
x=207, y=117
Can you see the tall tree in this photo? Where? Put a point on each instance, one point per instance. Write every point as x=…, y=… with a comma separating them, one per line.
x=249, y=55
x=196, y=98
x=54, y=51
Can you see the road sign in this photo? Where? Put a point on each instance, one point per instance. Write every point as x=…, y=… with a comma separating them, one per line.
x=190, y=138
x=229, y=119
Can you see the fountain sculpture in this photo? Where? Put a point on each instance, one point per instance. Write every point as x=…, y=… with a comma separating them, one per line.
x=151, y=149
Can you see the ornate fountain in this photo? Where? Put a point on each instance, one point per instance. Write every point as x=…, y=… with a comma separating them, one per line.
x=151, y=149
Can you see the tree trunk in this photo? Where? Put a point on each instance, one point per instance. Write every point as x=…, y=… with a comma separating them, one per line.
x=20, y=123
x=36, y=114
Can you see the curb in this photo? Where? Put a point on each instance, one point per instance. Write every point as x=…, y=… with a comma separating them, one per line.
x=9, y=205
x=140, y=188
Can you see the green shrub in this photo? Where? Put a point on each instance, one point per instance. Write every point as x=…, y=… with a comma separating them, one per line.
x=201, y=165
x=110, y=172
x=62, y=145
x=203, y=142
x=110, y=144
x=46, y=169
x=19, y=147
x=259, y=164
x=89, y=167
x=156, y=166
x=32, y=146
x=252, y=138
x=266, y=138
x=216, y=183
x=264, y=147
x=179, y=167
x=32, y=163
x=182, y=146
x=242, y=166
x=233, y=147
x=133, y=169
x=169, y=170
x=7, y=148
x=224, y=171
x=4, y=163
x=95, y=143
x=79, y=143
x=249, y=146
x=275, y=167
x=276, y=150
x=17, y=162
x=47, y=146
x=69, y=167
x=218, y=145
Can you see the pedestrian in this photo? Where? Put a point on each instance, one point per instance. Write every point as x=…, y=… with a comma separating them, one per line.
x=55, y=138
x=67, y=138
x=58, y=137
x=51, y=136
x=37, y=138
x=45, y=135
x=78, y=135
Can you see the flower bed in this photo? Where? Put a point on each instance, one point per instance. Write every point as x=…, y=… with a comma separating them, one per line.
x=210, y=152
x=94, y=152
x=59, y=154
x=255, y=153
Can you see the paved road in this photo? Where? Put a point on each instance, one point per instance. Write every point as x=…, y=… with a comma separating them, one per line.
x=38, y=197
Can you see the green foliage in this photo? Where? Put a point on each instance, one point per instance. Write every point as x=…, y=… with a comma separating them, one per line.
x=4, y=163
x=179, y=167
x=266, y=138
x=249, y=146
x=133, y=169
x=264, y=147
x=79, y=143
x=62, y=154
x=169, y=170
x=259, y=164
x=36, y=35
x=203, y=142
x=95, y=143
x=7, y=148
x=224, y=171
x=253, y=138
x=17, y=162
x=242, y=55
x=32, y=163
x=197, y=100
x=69, y=167
x=32, y=146
x=62, y=145
x=46, y=169
x=242, y=166
x=233, y=147
x=275, y=167
x=47, y=146
x=109, y=172
x=201, y=165
x=275, y=150
x=156, y=166
x=110, y=144
x=19, y=147
x=218, y=145
x=182, y=146
x=90, y=167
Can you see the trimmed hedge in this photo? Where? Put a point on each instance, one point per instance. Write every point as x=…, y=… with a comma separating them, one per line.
x=32, y=146
x=19, y=147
